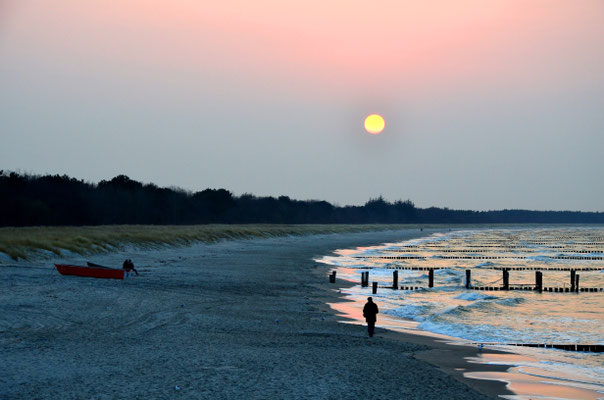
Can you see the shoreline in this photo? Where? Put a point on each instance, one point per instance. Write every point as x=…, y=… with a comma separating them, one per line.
x=458, y=360
x=241, y=319
x=498, y=371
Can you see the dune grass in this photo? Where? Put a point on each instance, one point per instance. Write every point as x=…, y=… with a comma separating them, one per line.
x=28, y=243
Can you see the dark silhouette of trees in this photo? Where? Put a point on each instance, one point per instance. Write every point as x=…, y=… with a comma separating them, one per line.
x=27, y=200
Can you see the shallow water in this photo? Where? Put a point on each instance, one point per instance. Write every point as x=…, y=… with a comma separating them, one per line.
x=498, y=318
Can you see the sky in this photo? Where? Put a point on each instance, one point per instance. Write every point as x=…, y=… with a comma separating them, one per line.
x=488, y=104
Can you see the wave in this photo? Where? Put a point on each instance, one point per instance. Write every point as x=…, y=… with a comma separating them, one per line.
x=441, y=288
x=455, y=310
x=479, y=333
x=485, y=265
x=511, y=301
x=410, y=311
x=542, y=258
x=453, y=272
x=473, y=296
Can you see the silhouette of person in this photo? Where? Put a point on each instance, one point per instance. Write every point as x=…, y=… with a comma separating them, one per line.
x=128, y=266
x=370, y=312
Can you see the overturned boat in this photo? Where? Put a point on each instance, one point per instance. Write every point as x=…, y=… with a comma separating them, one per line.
x=92, y=271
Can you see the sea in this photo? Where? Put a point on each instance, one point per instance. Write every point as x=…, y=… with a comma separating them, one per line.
x=491, y=318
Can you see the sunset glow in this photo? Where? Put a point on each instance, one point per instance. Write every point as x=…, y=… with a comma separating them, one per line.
x=273, y=83
x=374, y=124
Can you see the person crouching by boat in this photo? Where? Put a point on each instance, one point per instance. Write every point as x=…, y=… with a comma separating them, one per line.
x=128, y=266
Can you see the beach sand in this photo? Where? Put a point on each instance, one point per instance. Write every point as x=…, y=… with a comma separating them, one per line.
x=244, y=319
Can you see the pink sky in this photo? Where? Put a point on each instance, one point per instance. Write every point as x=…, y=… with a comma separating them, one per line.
x=381, y=46
x=287, y=70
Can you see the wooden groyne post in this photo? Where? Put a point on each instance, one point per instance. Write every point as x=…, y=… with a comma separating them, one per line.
x=577, y=283
x=374, y=290
x=506, y=279
x=395, y=279
x=332, y=277
x=573, y=273
x=365, y=279
x=468, y=279
x=539, y=281
x=431, y=277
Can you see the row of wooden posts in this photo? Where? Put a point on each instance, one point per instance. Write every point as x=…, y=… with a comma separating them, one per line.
x=487, y=251
x=365, y=280
x=574, y=282
x=577, y=258
x=509, y=246
x=593, y=348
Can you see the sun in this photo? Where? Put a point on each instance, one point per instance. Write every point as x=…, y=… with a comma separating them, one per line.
x=374, y=124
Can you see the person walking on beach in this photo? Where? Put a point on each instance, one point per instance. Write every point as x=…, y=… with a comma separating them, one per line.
x=370, y=312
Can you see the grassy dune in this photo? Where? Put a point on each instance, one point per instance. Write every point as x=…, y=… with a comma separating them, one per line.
x=34, y=242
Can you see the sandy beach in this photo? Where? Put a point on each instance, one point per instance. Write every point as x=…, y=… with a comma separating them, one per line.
x=244, y=319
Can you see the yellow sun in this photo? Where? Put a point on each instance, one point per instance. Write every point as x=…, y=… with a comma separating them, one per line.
x=374, y=124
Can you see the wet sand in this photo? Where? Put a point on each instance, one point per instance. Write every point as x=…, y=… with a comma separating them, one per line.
x=231, y=320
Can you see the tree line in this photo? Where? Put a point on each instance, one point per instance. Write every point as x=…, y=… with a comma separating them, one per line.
x=28, y=200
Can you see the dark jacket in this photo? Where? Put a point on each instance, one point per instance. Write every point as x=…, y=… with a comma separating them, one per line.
x=370, y=311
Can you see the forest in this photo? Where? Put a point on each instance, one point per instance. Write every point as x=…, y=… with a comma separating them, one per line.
x=33, y=200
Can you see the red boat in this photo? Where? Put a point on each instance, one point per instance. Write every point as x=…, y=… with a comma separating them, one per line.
x=93, y=272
